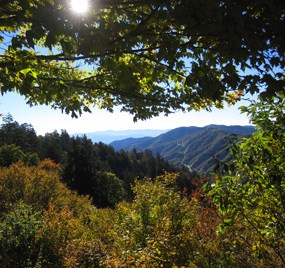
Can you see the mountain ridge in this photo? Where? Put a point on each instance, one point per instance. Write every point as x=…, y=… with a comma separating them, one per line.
x=109, y=136
x=194, y=147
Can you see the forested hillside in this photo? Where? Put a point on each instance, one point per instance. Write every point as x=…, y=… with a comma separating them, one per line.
x=197, y=148
x=89, y=168
x=127, y=220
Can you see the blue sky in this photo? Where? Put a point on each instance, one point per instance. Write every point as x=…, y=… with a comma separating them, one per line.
x=44, y=119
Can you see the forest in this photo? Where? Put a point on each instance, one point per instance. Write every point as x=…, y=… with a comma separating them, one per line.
x=93, y=169
x=66, y=202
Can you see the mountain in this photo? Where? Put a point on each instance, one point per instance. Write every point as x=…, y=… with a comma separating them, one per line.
x=194, y=147
x=112, y=135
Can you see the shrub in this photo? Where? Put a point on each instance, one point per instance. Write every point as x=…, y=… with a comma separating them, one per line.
x=18, y=245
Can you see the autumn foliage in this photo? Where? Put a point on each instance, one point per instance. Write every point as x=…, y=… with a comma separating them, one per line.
x=44, y=224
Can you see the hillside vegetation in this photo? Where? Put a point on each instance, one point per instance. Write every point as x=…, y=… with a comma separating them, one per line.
x=197, y=148
x=133, y=217
x=44, y=224
x=89, y=168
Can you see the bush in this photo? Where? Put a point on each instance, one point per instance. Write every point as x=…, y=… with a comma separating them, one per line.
x=155, y=230
x=18, y=245
x=252, y=195
x=11, y=153
x=41, y=219
x=32, y=185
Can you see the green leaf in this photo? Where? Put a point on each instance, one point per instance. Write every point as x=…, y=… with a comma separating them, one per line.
x=26, y=71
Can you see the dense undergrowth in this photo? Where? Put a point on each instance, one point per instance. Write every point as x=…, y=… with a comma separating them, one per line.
x=45, y=224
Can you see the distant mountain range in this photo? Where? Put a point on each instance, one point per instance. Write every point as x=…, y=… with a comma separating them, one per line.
x=194, y=147
x=111, y=135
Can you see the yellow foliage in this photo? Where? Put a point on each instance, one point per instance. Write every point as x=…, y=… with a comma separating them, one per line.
x=71, y=228
x=32, y=185
x=49, y=165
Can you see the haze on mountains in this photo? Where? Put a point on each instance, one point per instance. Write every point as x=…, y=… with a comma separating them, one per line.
x=197, y=148
x=109, y=136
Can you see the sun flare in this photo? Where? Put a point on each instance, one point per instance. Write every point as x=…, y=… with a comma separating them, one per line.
x=79, y=6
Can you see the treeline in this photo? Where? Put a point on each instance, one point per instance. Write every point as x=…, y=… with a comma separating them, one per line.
x=95, y=169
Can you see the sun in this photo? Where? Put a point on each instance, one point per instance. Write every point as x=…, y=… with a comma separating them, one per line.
x=79, y=6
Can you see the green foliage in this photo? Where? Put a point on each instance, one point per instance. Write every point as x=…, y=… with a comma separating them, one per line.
x=18, y=245
x=161, y=228
x=85, y=172
x=93, y=169
x=11, y=153
x=149, y=57
x=109, y=190
x=149, y=231
x=106, y=175
x=255, y=191
x=24, y=135
x=54, y=146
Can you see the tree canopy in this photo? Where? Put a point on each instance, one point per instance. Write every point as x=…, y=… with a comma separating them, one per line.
x=148, y=57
